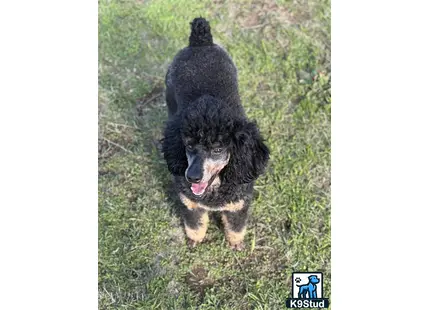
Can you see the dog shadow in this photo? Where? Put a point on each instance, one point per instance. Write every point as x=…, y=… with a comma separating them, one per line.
x=151, y=119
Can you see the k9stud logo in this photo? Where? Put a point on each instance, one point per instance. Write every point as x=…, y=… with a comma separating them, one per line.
x=307, y=291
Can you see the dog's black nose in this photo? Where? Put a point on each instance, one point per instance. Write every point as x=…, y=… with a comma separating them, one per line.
x=193, y=178
x=193, y=175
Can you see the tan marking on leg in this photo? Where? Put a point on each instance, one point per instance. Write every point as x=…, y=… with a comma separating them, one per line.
x=234, y=206
x=198, y=234
x=188, y=202
x=234, y=238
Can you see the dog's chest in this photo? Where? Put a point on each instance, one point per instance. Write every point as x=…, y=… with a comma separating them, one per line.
x=230, y=206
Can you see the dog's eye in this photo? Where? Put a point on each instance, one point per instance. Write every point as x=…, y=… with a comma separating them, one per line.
x=217, y=150
x=189, y=147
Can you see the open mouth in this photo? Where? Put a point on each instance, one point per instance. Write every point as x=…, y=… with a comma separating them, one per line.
x=199, y=189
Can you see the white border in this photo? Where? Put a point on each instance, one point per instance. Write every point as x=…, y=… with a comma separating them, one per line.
x=48, y=128
x=48, y=112
x=380, y=153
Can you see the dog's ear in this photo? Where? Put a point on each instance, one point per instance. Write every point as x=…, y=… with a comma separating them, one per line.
x=173, y=147
x=249, y=155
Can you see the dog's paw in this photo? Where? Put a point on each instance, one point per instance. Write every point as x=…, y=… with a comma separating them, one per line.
x=237, y=246
x=192, y=244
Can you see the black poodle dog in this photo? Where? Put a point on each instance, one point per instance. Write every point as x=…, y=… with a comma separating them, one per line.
x=213, y=151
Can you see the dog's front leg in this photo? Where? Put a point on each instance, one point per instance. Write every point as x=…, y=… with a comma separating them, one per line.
x=196, y=224
x=235, y=226
x=314, y=293
x=195, y=219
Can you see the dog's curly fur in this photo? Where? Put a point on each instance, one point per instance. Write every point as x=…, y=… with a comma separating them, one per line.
x=205, y=109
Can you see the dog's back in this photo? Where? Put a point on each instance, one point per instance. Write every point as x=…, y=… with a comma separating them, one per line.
x=202, y=68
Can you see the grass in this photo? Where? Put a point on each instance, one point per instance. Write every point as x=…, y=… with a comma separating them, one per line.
x=282, y=51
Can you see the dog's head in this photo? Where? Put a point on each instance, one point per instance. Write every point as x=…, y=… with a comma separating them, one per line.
x=209, y=139
x=313, y=279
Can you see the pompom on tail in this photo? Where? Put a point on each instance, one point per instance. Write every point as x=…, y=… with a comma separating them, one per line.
x=200, y=32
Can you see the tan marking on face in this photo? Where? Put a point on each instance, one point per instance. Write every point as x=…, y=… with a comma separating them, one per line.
x=211, y=167
x=198, y=234
x=216, y=183
x=233, y=237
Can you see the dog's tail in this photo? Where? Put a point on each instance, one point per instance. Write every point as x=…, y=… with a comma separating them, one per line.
x=200, y=33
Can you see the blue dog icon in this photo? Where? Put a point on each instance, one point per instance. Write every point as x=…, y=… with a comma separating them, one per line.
x=309, y=290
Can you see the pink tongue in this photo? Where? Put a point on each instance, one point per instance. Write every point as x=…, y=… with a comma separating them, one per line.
x=198, y=188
